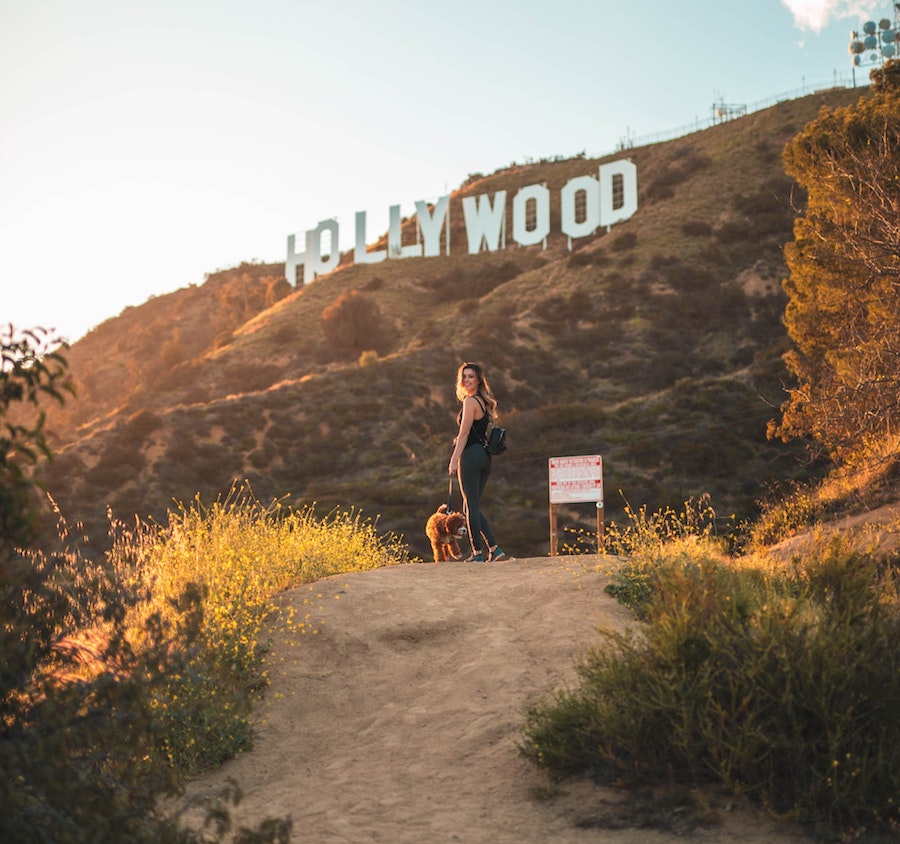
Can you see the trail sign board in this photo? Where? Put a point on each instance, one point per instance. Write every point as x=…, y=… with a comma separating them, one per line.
x=575, y=479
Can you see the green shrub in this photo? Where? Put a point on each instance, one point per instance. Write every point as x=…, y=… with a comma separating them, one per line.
x=624, y=242
x=374, y=283
x=785, y=511
x=237, y=554
x=32, y=369
x=250, y=377
x=118, y=464
x=119, y=676
x=579, y=259
x=354, y=323
x=139, y=426
x=783, y=683
x=85, y=663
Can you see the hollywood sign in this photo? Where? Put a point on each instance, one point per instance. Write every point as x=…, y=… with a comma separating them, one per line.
x=586, y=203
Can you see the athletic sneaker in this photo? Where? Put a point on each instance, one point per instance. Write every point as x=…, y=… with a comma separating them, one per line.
x=498, y=554
x=475, y=558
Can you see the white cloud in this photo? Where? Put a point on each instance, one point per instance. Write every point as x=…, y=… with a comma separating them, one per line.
x=815, y=15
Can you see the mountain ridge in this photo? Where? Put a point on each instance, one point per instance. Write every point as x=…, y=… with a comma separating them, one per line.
x=656, y=344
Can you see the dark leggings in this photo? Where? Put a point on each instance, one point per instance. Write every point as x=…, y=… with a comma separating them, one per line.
x=474, y=469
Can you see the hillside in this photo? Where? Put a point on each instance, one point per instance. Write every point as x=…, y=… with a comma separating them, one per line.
x=656, y=344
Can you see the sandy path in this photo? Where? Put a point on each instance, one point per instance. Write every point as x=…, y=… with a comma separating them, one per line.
x=397, y=721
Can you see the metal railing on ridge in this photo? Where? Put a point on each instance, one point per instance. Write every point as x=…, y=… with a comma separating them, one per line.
x=631, y=141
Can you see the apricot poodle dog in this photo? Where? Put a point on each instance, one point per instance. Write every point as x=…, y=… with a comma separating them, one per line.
x=445, y=530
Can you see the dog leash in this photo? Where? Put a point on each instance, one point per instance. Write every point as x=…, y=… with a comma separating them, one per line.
x=450, y=496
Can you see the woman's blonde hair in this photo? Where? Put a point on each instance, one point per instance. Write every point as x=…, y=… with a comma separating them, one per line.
x=484, y=389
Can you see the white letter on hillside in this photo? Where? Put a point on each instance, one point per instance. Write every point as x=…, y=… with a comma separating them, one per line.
x=485, y=222
x=430, y=225
x=311, y=259
x=627, y=171
x=396, y=249
x=292, y=261
x=588, y=226
x=314, y=264
x=541, y=197
x=360, y=256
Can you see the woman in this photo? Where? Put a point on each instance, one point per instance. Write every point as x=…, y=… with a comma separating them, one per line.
x=471, y=460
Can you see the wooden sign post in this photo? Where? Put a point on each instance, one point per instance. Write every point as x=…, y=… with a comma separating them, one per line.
x=572, y=480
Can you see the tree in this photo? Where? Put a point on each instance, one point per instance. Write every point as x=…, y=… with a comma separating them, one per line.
x=843, y=313
x=79, y=687
x=32, y=367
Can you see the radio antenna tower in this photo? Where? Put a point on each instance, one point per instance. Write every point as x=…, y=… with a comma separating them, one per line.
x=875, y=43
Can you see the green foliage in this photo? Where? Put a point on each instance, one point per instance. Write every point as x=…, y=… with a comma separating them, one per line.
x=790, y=508
x=119, y=677
x=645, y=538
x=32, y=368
x=780, y=681
x=237, y=554
x=886, y=79
x=79, y=746
x=84, y=662
x=76, y=727
x=843, y=314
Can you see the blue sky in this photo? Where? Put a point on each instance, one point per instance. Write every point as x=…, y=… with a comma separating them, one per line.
x=145, y=143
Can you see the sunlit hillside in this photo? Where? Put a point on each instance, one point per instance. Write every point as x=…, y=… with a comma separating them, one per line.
x=656, y=344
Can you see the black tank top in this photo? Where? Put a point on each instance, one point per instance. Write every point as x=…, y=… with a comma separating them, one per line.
x=478, y=431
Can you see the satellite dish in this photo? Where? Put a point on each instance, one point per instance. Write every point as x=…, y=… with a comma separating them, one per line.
x=871, y=42
x=888, y=36
x=855, y=48
x=856, y=60
x=888, y=51
x=869, y=27
x=884, y=23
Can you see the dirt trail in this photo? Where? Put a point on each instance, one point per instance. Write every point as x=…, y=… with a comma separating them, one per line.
x=397, y=720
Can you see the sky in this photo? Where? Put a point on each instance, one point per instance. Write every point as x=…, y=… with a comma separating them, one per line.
x=147, y=143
